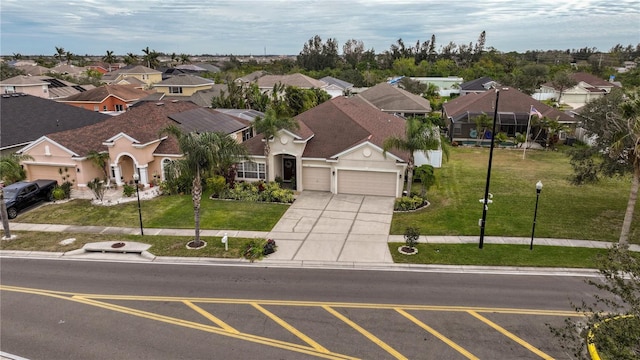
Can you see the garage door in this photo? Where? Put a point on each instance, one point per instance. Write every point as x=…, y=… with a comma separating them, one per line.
x=367, y=183
x=35, y=172
x=316, y=178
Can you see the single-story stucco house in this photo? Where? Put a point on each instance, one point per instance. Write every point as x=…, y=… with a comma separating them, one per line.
x=337, y=148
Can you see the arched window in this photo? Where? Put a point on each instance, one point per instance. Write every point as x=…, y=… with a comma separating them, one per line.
x=165, y=163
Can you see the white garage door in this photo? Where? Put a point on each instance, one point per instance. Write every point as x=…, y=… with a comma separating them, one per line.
x=316, y=178
x=366, y=183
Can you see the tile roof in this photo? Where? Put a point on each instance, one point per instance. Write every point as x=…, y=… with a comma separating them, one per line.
x=185, y=80
x=125, y=92
x=204, y=119
x=390, y=98
x=340, y=124
x=22, y=80
x=142, y=122
x=298, y=80
x=477, y=84
x=25, y=118
x=511, y=101
x=334, y=81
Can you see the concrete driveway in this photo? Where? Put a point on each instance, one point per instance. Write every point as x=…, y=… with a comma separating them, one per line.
x=323, y=227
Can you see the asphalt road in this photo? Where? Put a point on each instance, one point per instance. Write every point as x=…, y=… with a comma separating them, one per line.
x=55, y=309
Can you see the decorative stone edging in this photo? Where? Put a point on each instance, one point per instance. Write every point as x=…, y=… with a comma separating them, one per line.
x=204, y=243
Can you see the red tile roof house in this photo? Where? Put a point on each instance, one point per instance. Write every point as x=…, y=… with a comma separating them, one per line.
x=131, y=139
x=107, y=98
x=337, y=148
x=513, y=113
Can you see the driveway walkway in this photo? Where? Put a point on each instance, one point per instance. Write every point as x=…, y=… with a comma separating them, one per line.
x=322, y=227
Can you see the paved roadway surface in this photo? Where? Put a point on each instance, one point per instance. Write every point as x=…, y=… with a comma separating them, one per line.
x=81, y=309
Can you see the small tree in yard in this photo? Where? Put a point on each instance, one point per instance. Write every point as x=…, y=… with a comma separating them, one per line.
x=411, y=236
x=611, y=325
x=97, y=187
x=425, y=173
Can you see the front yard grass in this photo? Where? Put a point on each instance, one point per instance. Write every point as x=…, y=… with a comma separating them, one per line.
x=172, y=212
x=499, y=255
x=589, y=212
x=160, y=245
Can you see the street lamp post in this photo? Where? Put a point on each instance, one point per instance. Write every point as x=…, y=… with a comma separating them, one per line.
x=485, y=200
x=136, y=180
x=535, y=212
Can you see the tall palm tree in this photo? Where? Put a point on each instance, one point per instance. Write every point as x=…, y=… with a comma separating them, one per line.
x=627, y=144
x=184, y=59
x=201, y=154
x=419, y=136
x=150, y=57
x=131, y=59
x=268, y=126
x=109, y=58
x=60, y=53
x=69, y=56
x=10, y=169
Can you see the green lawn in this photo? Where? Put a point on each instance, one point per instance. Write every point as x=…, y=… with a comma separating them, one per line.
x=162, y=212
x=499, y=255
x=590, y=212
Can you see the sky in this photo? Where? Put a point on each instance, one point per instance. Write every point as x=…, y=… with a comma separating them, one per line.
x=282, y=27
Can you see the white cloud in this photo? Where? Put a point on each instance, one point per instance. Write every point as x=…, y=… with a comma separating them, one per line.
x=248, y=26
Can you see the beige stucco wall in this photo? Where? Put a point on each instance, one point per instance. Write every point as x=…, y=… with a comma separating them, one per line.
x=186, y=91
x=35, y=90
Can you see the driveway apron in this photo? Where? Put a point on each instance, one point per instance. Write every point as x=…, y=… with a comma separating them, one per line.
x=323, y=227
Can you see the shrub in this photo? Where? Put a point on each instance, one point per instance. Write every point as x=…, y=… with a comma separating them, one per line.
x=216, y=184
x=407, y=203
x=97, y=186
x=128, y=190
x=266, y=192
x=58, y=193
x=411, y=235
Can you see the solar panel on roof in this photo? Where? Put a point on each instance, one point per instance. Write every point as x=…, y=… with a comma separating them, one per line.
x=79, y=88
x=55, y=83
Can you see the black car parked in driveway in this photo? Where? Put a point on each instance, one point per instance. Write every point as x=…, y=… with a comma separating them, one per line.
x=23, y=194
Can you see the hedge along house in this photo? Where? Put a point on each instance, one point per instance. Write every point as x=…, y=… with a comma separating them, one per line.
x=132, y=140
x=337, y=148
x=514, y=108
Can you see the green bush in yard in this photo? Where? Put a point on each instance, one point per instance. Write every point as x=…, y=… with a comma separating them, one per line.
x=407, y=203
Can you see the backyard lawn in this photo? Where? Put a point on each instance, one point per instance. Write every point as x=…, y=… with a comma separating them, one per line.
x=590, y=212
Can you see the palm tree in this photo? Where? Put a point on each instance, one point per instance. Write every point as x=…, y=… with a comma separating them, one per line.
x=419, y=136
x=184, y=59
x=100, y=160
x=10, y=169
x=109, y=58
x=131, y=59
x=202, y=153
x=69, y=56
x=151, y=57
x=60, y=53
x=627, y=144
x=268, y=126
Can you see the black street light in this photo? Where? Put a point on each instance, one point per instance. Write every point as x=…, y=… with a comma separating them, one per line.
x=136, y=179
x=535, y=212
x=485, y=201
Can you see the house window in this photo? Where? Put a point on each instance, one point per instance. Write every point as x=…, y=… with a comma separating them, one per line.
x=165, y=167
x=119, y=107
x=251, y=170
x=145, y=77
x=457, y=129
x=247, y=134
x=96, y=108
x=9, y=89
x=175, y=90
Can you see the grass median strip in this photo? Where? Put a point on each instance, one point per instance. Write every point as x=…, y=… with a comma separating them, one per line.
x=499, y=255
x=160, y=245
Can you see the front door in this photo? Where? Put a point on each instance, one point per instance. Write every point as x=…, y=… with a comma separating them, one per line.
x=288, y=169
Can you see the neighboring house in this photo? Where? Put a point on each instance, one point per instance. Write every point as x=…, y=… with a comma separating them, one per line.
x=588, y=87
x=132, y=140
x=514, y=109
x=198, y=68
x=202, y=97
x=249, y=78
x=337, y=87
x=183, y=85
x=134, y=75
x=477, y=86
x=337, y=148
x=42, y=86
x=446, y=85
x=393, y=100
x=68, y=69
x=33, y=70
x=107, y=98
x=25, y=118
x=266, y=82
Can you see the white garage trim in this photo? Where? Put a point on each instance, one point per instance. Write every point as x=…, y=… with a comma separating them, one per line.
x=316, y=178
x=367, y=182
